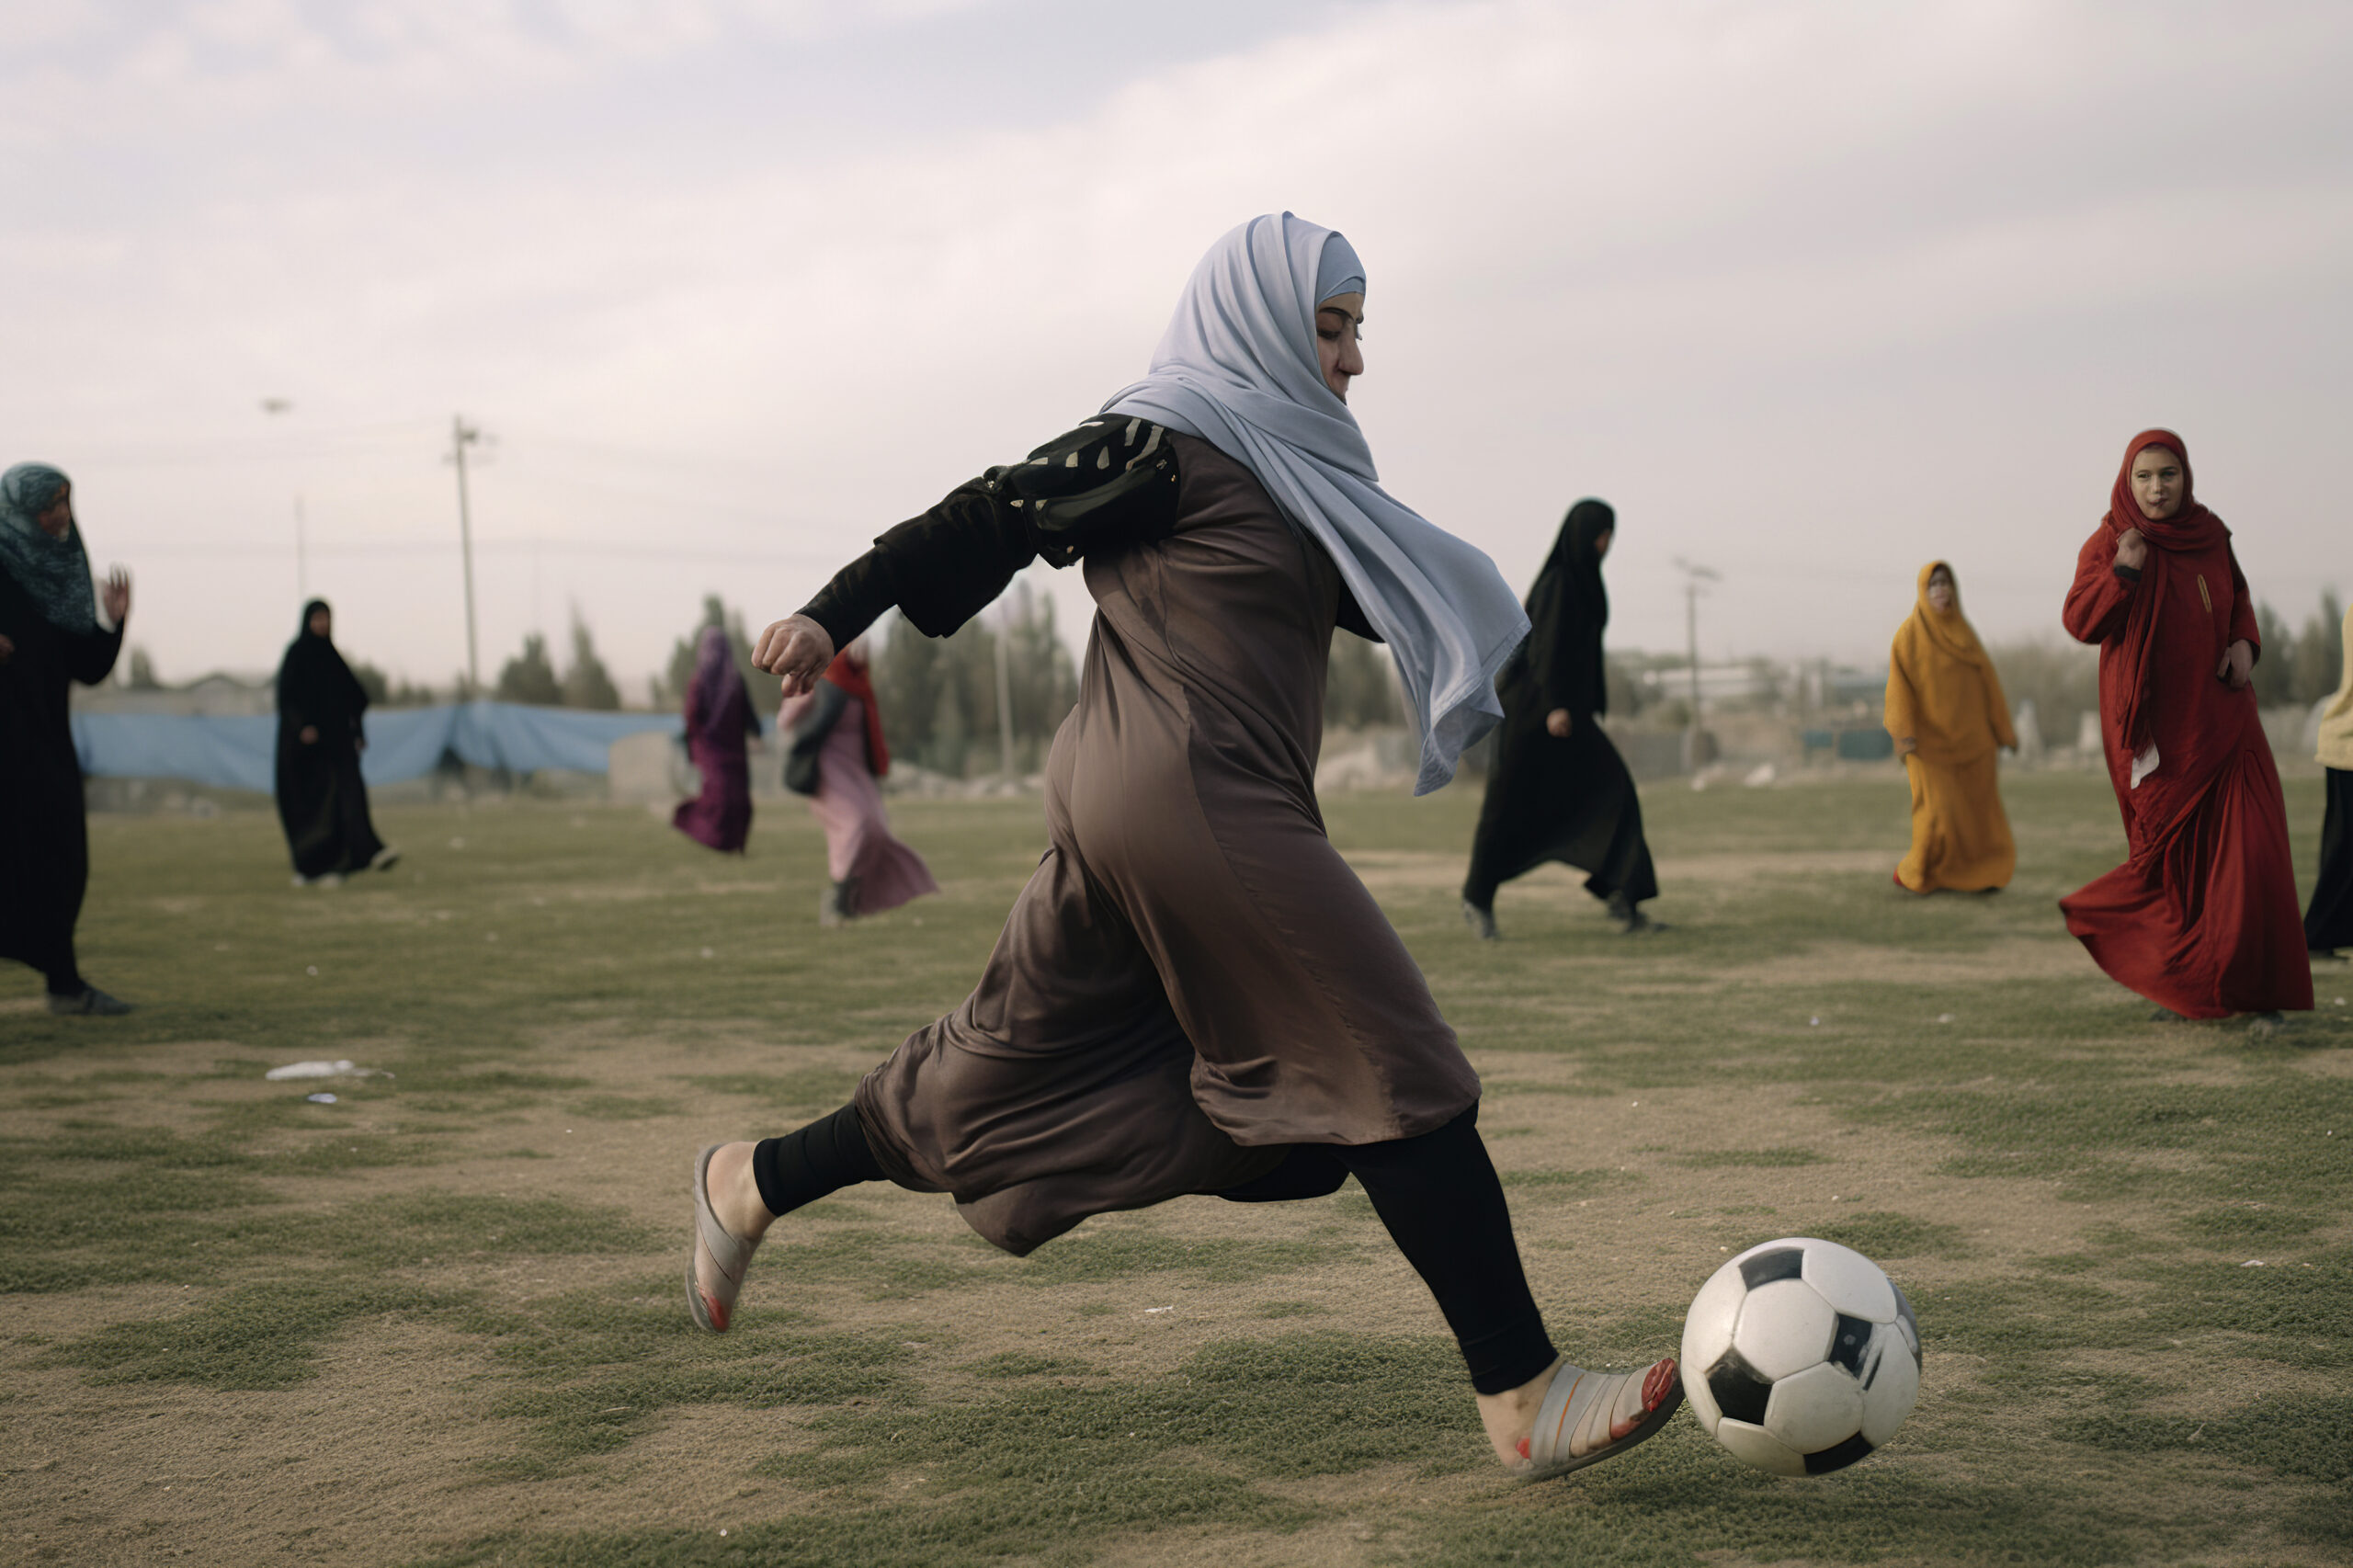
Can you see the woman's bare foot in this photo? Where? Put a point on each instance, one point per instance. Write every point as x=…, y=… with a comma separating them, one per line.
x=1510, y=1416
x=735, y=1202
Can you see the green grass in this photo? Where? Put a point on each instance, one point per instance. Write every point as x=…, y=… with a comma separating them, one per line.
x=2128, y=1246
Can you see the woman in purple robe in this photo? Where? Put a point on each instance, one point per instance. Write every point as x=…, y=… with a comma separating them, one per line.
x=720, y=724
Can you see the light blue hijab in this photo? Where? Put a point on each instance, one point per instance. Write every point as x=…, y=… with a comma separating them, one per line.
x=54, y=571
x=1238, y=369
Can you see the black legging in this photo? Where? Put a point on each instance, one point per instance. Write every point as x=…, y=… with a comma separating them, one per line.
x=1437, y=1194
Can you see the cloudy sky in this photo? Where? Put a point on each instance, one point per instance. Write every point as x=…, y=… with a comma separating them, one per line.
x=1812, y=290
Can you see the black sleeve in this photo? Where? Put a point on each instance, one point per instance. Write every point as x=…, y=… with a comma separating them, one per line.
x=1109, y=482
x=1571, y=674
x=2127, y=574
x=90, y=655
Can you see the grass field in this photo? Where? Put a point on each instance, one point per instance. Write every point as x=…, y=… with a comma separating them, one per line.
x=440, y=1323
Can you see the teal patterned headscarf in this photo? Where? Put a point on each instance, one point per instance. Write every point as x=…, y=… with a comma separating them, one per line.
x=55, y=572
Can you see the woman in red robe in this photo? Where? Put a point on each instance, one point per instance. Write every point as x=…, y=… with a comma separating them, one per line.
x=2201, y=917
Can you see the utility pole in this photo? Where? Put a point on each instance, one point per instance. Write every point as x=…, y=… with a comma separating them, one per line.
x=1693, y=576
x=461, y=436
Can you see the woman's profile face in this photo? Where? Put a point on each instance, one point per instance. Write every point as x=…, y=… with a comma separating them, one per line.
x=322, y=622
x=59, y=517
x=2158, y=483
x=1601, y=543
x=1336, y=350
x=1940, y=590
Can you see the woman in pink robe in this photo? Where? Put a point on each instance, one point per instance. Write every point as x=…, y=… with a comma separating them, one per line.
x=835, y=754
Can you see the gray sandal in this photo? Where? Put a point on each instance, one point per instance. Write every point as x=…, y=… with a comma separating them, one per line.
x=730, y=1252
x=1573, y=1423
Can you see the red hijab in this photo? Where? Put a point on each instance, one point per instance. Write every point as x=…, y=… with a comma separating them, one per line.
x=852, y=679
x=2190, y=527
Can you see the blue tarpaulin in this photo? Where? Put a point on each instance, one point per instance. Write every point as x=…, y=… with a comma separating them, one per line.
x=240, y=753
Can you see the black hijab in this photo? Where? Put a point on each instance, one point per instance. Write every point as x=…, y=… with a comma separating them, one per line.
x=315, y=685
x=1573, y=569
x=1567, y=610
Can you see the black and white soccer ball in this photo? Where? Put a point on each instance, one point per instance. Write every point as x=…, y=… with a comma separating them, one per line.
x=1800, y=1356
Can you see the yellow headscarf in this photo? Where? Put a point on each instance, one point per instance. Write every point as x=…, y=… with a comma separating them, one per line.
x=1942, y=688
x=2336, y=719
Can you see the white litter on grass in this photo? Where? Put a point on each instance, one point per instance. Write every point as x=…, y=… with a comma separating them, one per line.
x=322, y=1070
x=310, y=968
x=706, y=952
x=1760, y=776
x=2252, y=1263
x=1944, y=1017
x=1148, y=1310
x=1815, y=1022
x=320, y=1100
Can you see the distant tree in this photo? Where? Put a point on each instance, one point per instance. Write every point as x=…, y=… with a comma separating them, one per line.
x=403, y=695
x=1359, y=684
x=939, y=695
x=2275, y=671
x=587, y=684
x=371, y=681
x=2062, y=679
x=949, y=744
x=1625, y=693
x=2320, y=651
x=529, y=678
x=1044, y=681
x=141, y=676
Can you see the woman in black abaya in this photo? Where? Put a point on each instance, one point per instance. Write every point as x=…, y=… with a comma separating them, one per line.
x=321, y=798
x=49, y=636
x=1557, y=788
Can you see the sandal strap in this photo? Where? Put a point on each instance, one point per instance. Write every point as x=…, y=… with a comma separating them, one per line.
x=1580, y=1406
x=729, y=1252
x=1567, y=1399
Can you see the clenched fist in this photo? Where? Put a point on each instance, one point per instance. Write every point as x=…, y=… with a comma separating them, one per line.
x=796, y=648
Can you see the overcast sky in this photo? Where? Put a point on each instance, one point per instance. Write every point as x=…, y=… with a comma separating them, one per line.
x=1812, y=290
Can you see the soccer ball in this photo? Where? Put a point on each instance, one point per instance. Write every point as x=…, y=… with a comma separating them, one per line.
x=1800, y=1356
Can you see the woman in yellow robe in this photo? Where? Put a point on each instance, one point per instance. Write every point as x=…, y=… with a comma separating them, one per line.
x=2328, y=920
x=1946, y=710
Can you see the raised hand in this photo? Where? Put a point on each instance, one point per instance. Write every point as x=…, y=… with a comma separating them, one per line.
x=2132, y=549
x=796, y=648
x=115, y=594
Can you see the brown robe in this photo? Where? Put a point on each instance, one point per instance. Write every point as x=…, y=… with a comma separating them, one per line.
x=1193, y=979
